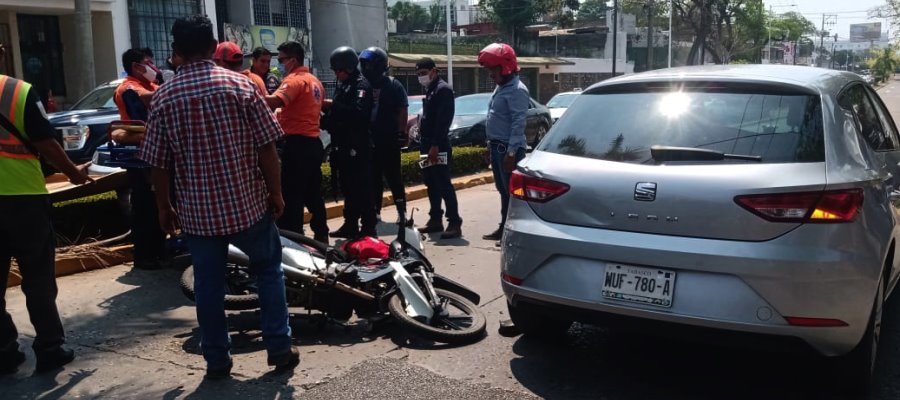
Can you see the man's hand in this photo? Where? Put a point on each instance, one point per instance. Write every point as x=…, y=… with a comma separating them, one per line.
x=433, y=155
x=509, y=163
x=276, y=203
x=168, y=219
x=80, y=176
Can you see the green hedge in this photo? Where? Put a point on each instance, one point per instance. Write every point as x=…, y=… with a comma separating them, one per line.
x=466, y=161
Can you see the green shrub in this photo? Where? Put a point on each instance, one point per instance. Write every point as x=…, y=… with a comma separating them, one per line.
x=466, y=161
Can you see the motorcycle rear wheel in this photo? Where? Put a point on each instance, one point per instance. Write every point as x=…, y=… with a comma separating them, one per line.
x=240, y=294
x=464, y=325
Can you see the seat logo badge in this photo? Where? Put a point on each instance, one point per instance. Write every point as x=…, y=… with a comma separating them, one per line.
x=645, y=191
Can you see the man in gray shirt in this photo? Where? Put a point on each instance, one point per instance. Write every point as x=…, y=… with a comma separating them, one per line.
x=505, y=122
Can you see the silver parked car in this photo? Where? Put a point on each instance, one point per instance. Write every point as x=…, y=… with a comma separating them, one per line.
x=751, y=199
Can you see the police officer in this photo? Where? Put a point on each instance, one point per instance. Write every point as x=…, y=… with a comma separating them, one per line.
x=388, y=126
x=25, y=230
x=348, y=120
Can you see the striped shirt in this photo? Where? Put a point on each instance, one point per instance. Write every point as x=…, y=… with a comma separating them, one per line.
x=207, y=124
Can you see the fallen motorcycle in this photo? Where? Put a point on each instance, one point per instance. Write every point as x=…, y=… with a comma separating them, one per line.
x=403, y=285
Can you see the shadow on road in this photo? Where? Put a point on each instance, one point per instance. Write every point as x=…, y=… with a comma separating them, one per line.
x=592, y=362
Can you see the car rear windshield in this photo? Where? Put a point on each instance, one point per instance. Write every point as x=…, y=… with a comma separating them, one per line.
x=779, y=128
x=101, y=97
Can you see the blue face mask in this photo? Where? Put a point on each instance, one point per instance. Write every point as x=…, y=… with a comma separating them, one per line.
x=281, y=69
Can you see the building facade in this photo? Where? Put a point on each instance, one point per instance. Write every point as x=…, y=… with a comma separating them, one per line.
x=40, y=35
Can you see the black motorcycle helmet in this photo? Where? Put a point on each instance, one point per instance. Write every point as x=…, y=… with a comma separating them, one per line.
x=344, y=58
x=374, y=63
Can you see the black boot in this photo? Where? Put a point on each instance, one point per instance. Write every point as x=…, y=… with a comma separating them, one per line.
x=454, y=231
x=433, y=226
x=53, y=359
x=10, y=361
x=344, y=232
x=495, y=235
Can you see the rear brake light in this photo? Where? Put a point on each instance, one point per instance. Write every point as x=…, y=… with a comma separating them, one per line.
x=511, y=279
x=814, y=322
x=534, y=189
x=831, y=206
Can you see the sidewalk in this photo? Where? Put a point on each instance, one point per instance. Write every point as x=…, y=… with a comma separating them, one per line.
x=89, y=257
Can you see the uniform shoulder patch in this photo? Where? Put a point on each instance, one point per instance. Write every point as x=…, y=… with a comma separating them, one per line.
x=361, y=93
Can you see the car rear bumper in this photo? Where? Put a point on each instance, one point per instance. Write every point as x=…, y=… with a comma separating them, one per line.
x=730, y=285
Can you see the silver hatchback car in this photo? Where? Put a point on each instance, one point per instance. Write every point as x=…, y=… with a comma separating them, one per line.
x=753, y=199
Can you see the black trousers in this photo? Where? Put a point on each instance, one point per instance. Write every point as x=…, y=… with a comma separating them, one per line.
x=27, y=235
x=356, y=185
x=440, y=188
x=149, y=239
x=301, y=184
x=386, y=166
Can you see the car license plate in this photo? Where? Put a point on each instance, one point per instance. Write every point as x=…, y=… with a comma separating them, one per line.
x=639, y=285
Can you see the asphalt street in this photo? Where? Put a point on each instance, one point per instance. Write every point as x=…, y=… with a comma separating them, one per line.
x=136, y=337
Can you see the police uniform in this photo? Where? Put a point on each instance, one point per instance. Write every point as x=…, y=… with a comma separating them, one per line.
x=348, y=123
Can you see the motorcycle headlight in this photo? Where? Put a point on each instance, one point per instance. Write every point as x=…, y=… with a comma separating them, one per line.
x=74, y=137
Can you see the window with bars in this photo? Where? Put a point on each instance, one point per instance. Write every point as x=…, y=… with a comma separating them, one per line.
x=290, y=13
x=151, y=23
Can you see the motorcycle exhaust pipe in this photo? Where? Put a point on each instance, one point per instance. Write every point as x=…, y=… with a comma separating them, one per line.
x=295, y=273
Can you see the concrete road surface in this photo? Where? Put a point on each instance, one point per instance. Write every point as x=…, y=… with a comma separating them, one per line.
x=136, y=337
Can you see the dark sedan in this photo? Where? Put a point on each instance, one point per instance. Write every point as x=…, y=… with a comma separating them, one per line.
x=84, y=127
x=468, y=125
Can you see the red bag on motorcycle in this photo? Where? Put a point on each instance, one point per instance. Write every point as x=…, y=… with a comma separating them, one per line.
x=366, y=248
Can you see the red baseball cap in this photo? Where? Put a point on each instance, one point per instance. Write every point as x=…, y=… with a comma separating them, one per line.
x=228, y=52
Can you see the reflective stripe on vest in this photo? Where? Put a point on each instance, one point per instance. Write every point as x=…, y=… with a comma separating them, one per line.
x=13, y=95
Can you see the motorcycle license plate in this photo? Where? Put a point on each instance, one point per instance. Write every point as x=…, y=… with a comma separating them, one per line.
x=650, y=286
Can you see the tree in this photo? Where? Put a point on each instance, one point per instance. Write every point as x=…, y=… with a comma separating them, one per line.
x=793, y=25
x=592, y=10
x=511, y=15
x=884, y=64
x=841, y=57
x=411, y=15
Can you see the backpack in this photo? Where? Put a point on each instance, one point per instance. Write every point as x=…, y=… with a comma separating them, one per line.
x=366, y=248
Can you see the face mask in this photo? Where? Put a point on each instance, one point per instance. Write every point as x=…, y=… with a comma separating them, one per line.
x=149, y=74
x=425, y=80
x=281, y=69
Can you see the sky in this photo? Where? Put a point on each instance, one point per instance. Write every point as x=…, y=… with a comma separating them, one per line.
x=847, y=11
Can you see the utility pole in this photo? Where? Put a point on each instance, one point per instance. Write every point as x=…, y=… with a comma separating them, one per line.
x=449, y=49
x=671, y=11
x=84, y=48
x=650, y=35
x=615, y=36
x=829, y=19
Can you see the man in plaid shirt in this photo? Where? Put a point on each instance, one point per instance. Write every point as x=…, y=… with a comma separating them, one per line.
x=211, y=128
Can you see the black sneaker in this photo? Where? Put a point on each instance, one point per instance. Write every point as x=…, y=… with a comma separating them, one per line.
x=219, y=373
x=323, y=238
x=149, y=265
x=344, y=233
x=432, y=227
x=495, y=235
x=368, y=232
x=53, y=359
x=286, y=361
x=10, y=362
x=454, y=231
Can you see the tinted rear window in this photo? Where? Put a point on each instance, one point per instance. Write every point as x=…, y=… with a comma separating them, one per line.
x=623, y=126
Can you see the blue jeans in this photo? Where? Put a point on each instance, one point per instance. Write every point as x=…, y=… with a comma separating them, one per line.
x=261, y=243
x=501, y=177
x=440, y=188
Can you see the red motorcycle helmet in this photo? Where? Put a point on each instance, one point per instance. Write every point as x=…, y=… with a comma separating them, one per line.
x=499, y=54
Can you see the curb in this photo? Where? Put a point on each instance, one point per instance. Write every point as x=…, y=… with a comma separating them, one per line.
x=89, y=257
x=336, y=209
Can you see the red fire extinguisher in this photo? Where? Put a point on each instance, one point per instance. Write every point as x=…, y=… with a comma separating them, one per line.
x=51, y=102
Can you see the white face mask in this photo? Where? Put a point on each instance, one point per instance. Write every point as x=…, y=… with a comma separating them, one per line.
x=149, y=74
x=425, y=80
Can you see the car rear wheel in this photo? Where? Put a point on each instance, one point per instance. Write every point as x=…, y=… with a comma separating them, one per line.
x=538, y=325
x=539, y=135
x=855, y=370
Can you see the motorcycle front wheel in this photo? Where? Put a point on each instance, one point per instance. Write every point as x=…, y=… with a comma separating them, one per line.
x=463, y=323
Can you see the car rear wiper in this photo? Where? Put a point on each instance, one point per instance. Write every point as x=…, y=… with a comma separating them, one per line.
x=670, y=153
